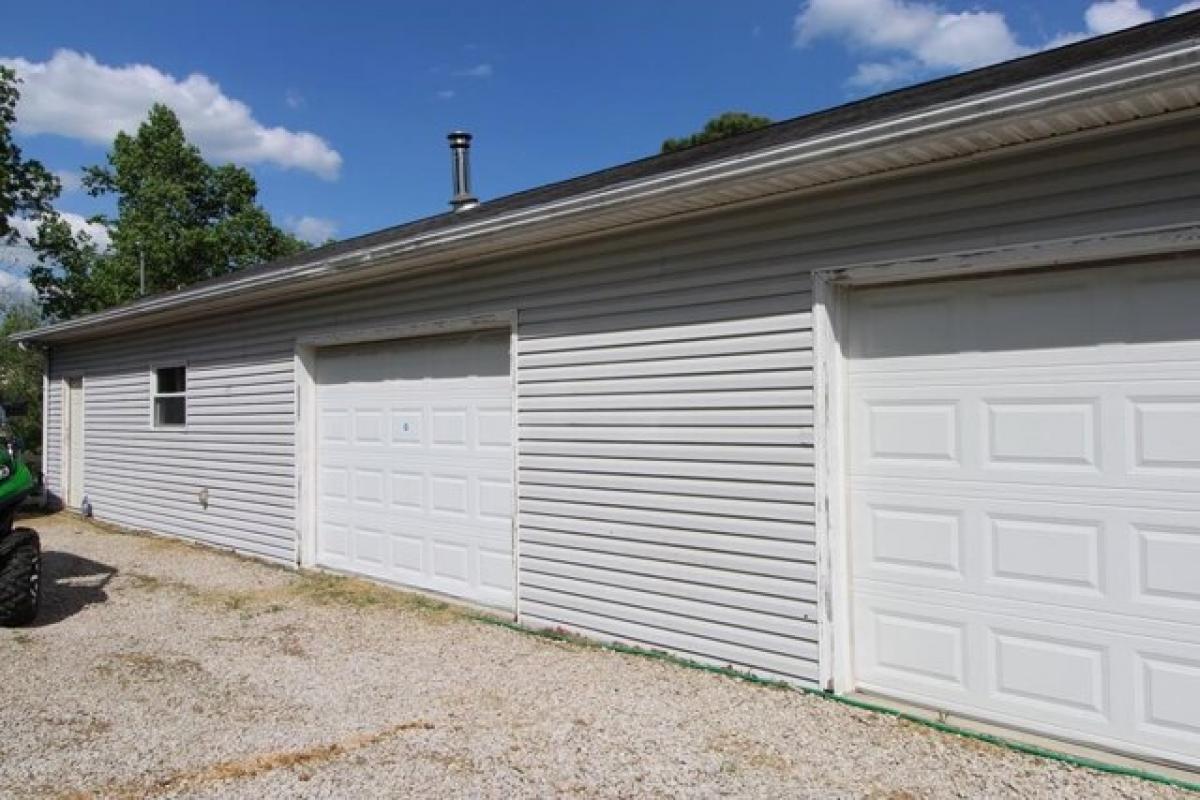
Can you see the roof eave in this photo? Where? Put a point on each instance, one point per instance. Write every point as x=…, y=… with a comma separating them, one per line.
x=1149, y=84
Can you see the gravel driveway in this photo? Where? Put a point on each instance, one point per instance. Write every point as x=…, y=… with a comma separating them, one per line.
x=164, y=670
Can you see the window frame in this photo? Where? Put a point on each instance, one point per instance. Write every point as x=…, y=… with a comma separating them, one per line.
x=156, y=395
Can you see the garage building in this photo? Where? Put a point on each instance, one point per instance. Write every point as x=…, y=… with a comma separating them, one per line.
x=901, y=397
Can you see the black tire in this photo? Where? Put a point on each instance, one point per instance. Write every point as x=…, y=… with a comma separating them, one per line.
x=20, y=577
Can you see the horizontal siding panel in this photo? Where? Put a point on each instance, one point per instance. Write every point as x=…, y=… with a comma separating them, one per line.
x=674, y=298
x=683, y=520
x=784, y=437
x=253, y=448
x=243, y=478
x=237, y=505
x=678, y=316
x=795, y=611
x=741, y=625
x=682, y=452
x=789, y=342
x=788, y=320
x=604, y=604
x=617, y=627
x=724, y=488
x=721, y=470
x=753, y=584
x=748, y=398
x=723, y=417
x=165, y=520
x=571, y=544
x=716, y=506
x=757, y=380
x=679, y=366
x=763, y=555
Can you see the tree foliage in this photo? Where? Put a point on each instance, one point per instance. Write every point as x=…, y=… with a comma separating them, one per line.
x=723, y=126
x=185, y=219
x=21, y=371
x=26, y=187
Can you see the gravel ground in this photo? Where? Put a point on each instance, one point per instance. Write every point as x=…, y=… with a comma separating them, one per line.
x=159, y=669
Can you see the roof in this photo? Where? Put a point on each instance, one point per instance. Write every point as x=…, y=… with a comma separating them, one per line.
x=897, y=104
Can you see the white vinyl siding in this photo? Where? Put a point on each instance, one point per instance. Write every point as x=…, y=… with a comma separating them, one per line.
x=664, y=404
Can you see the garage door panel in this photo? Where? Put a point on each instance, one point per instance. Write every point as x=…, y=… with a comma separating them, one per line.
x=1129, y=434
x=1143, y=562
x=415, y=477
x=1024, y=466
x=1115, y=688
x=1166, y=563
x=1167, y=703
x=908, y=539
x=997, y=321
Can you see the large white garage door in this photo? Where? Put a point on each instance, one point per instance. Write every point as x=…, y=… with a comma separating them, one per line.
x=415, y=463
x=1025, y=501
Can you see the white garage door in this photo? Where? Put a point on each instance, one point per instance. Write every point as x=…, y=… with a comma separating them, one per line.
x=415, y=463
x=1025, y=501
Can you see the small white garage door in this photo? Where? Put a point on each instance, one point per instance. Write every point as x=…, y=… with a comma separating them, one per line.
x=1025, y=501
x=415, y=463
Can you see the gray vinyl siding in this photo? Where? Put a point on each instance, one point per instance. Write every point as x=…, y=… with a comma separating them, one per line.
x=664, y=393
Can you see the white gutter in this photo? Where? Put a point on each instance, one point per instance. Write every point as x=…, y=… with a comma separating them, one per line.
x=1174, y=66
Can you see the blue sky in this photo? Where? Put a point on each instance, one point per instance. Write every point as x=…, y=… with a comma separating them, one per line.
x=341, y=110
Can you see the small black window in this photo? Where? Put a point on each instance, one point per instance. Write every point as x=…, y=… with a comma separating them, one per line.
x=170, y=396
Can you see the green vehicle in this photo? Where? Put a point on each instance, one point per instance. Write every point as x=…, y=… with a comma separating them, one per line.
x=20, y=549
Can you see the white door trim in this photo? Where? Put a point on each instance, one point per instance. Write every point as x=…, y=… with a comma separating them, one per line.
x=833, y=561
x=44, y=499
x=305, y=367
x=72, y=427
x=831, y=287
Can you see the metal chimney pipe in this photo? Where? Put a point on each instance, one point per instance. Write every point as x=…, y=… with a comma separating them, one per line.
x=460, y=165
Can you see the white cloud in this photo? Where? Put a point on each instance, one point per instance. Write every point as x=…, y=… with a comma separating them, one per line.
x=919, y=37
x=1105, y=16
x=925, y=37
x=97, y=232
x=27, y=228
x=477, y=71
x=313, y=230
x=294, y=99
x=71, y=180
x=16, y=259
x=13, y=284
x=1114, y=15
x=446, y=94
x=882, y=73
x=73, y=95
x=1184, y=8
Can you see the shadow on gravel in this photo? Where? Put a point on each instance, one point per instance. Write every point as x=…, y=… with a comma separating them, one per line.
x=70, y=583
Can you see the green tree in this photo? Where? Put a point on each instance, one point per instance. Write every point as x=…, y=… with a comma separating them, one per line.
x=73, y=276
x=26, y=187
x=728, y=124
x=181, y=217
x=21, y=371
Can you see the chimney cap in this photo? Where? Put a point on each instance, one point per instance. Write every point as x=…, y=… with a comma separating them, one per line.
x=459, y=138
